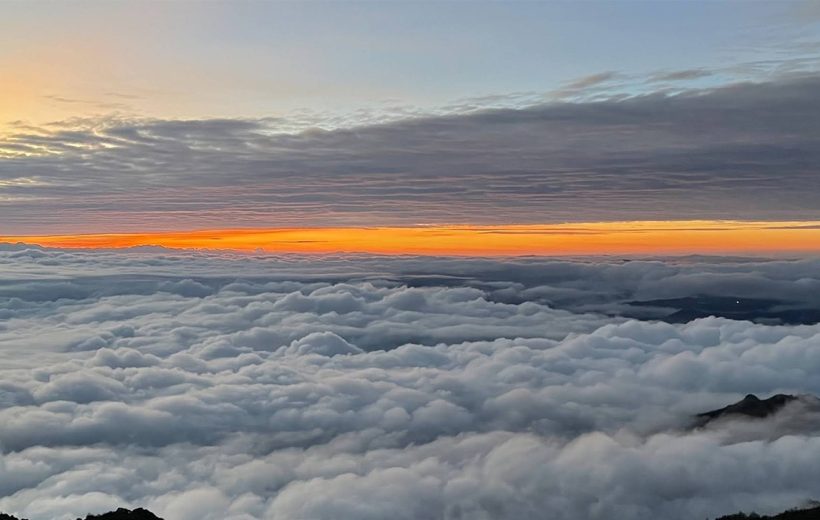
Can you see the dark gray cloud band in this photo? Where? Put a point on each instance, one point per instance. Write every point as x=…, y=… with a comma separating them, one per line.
x=744, y=151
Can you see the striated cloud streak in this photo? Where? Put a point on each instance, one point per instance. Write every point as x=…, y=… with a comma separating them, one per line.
x=745, y=151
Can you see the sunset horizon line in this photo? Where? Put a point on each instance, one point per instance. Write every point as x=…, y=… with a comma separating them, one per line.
x=566, y=238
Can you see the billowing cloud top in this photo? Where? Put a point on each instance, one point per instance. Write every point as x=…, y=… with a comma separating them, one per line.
x=745, y=151
x=208, y=386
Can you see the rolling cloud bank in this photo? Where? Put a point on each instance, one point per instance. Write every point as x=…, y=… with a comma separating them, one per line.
x=360, y=387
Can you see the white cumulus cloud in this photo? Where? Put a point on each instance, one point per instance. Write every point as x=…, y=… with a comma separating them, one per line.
x=238, y=387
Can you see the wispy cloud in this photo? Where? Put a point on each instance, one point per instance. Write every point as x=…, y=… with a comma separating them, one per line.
x=682, y=75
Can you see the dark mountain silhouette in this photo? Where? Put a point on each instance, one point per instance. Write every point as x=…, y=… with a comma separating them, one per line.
x=812, y=513
x=119, y=514
x=749, y=406
x=683, y=310
x=124, y=514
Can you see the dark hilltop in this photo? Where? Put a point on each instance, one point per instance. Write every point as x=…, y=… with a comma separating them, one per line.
x=749, y=406
x=119, y=514
x=812, y=513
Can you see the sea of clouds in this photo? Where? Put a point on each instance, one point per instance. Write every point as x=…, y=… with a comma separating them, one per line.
x=215, y=386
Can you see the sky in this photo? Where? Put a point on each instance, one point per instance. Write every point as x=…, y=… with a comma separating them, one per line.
x=158, y=117
x=275, y=59
x=408, y=260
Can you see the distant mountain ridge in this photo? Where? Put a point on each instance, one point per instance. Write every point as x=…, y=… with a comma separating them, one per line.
x=761, y=310
x=120, y=514
x=812, y=513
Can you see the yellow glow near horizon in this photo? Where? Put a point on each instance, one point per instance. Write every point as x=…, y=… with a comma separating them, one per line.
x=647, y=237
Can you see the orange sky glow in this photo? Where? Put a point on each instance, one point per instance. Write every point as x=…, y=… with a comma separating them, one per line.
x=679, y=237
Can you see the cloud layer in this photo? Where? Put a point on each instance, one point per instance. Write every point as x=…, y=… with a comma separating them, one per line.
x=743, y=151
x=371, y=388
